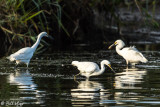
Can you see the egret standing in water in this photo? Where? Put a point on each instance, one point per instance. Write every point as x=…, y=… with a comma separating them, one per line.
x=25, y=54
x=90, y=68
x=130, y=54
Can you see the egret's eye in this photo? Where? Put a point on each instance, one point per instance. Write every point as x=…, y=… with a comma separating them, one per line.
x=115, y=43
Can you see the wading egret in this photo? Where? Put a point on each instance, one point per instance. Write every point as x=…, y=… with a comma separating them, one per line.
x=25, y=54
x=90, y=68
x=130, y=54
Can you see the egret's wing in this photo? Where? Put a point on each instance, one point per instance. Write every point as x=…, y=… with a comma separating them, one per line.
x=140, y=55
x=88, y=67
x=23, y=54
x=130, y=49
x=133, y=48
x=91, y=67
x=24, y=50
x=135, y=52
x=132, y=54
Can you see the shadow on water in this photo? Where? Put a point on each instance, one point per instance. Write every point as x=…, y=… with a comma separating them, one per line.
x=50, y=81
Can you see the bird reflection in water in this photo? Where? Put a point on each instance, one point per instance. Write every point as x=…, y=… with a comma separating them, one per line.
x=131, y=79
x=89, y=93
x=26, y=86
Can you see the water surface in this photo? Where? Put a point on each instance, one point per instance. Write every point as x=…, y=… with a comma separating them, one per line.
x=49, y=81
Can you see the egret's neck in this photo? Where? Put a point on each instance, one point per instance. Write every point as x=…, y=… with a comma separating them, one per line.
x=101, y=70
x=119, y=49
x=37, y=43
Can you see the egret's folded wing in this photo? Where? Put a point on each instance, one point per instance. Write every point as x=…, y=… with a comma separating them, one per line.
x=88, y=67
x=23, y=54
x=134, y=54
x=133, y=48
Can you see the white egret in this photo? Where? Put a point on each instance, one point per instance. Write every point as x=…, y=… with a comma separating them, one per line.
x=90, y=68
x=25, y=54
x=130, y=54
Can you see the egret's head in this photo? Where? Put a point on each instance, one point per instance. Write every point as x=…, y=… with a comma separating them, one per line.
x=43, y=34
x=74, y=63
x=106, y=62
x=117, y=42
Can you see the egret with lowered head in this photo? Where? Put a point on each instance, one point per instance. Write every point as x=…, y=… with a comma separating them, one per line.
x=90, y=68
x=130, y=54
x=24, y=55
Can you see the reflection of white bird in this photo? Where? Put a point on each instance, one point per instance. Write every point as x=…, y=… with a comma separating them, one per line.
x=87, y=89
x=25, y=54
x=130, y=54
x=88, y=93
x=24, y=82
x=130, y=79
x=22, y=79
x=90, y=68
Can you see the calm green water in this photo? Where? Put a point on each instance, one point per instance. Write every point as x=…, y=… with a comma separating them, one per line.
x=49, y=81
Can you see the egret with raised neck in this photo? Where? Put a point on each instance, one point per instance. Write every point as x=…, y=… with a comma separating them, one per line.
x=130, y=54
x=24, y=55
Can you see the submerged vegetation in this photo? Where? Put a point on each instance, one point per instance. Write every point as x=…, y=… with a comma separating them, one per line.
x=68, y=20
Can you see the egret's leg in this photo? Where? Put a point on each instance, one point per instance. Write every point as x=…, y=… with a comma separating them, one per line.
x=127, y=68
x=15, y=66
x=76, y=75
x=87, y=79
x=133, y=64
x=17, y=62
x=27, y=72
x=27, y=64
x=127, y=62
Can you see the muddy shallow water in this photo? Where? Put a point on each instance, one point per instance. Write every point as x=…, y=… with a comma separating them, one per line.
x=49, y=81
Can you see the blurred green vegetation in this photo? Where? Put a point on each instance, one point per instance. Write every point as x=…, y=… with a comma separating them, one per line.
x=69, y=21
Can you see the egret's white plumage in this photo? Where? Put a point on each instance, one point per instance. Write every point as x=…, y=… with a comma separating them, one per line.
x=25, y=54
x=90, y=68
x=130, y=54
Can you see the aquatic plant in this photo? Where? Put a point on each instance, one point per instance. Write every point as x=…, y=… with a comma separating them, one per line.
x=22, y=20
x=148, y=18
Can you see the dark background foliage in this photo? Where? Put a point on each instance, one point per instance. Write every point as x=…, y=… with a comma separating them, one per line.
x=70, y=22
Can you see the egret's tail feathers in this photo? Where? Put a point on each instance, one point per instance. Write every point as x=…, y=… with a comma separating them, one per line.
x=144, y=60
x=10, y=58
x=74, y=63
